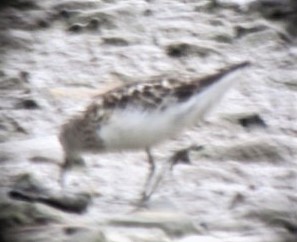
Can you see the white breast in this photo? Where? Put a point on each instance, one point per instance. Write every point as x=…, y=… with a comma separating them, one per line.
x=135, y=128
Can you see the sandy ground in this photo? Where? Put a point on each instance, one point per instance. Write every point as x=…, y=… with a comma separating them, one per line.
x=55, y=55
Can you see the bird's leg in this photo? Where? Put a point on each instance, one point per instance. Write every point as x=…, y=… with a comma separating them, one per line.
x=69, y=162
x=157, y=180
x=152, y=165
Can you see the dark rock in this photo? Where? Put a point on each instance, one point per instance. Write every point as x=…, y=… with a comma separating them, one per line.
x=148, y=12
x=24, y=75
x=76, y=28
x=94, y=24
x=64, y=13
x=41, y=159
x=178, y=50
x=241, y=31
x=19, y=4
x=28, y=104
x=76, y=5
x=237, y=199
x=252, y=121
x=73, y=204
x=30, y=190
x=279, y=10
x=71, y=230
x=117, y=41
x=43, y=23
x=288, y=225
x=183, y=49
x=275, y=9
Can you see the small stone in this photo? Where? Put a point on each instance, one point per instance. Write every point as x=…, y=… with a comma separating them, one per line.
x=41, y=159
x=93, y=24
x=64, y=13
x=178, y=50
x=76, y=28
x=28, y=104
x=116, y=41
x=75, y=203
x=148, y=12
x=71, y=230
x=252, y=121
x=237, y=199
x=42, y=23
x=24, y=75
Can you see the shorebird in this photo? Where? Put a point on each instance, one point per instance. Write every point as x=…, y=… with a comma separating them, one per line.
x=142, y=115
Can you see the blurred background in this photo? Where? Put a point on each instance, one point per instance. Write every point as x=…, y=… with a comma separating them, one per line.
x=241, y=184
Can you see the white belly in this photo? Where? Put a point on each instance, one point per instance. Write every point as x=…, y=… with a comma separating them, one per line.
x=137, y=129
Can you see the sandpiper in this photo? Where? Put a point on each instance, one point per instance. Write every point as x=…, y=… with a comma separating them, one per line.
x=142, y=115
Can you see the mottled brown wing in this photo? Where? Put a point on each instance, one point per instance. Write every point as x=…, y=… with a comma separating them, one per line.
x=145, y=95
x=159, y=92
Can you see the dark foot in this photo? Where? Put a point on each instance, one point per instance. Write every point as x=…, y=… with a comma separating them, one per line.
x=182, y=156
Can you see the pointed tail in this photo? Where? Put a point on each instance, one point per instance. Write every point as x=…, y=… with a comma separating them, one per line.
x=209, y=91
x=209, y=80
